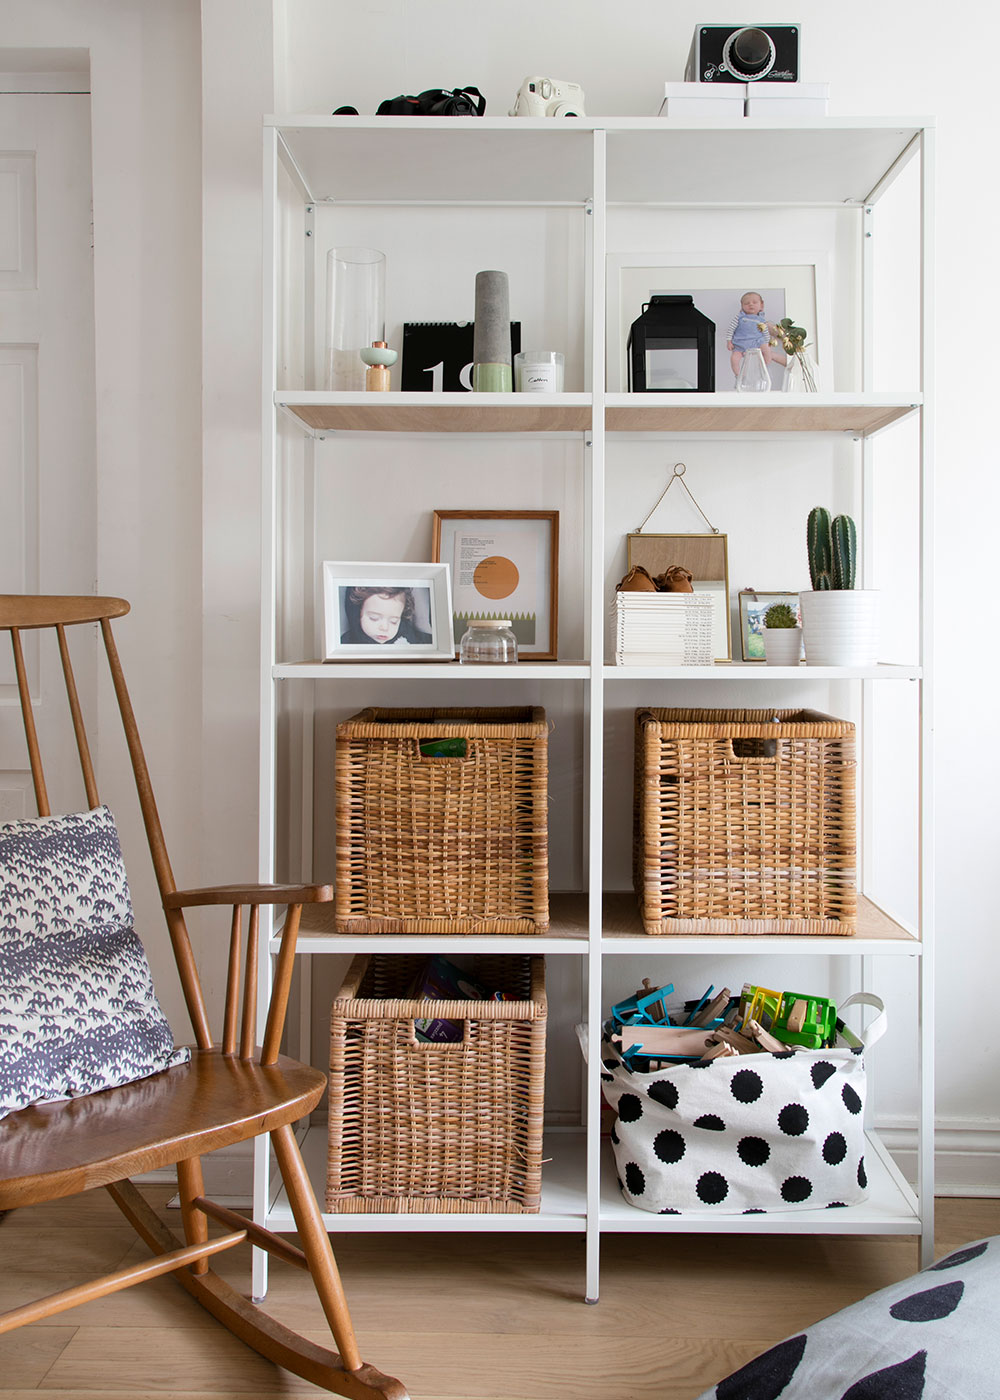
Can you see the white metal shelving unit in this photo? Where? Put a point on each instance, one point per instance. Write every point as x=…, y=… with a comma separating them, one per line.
x=594, y=169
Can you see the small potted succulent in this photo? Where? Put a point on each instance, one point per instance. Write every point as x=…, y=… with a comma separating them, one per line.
x=840, y=623
x=782, y=636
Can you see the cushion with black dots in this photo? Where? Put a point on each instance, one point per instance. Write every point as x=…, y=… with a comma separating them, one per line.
x=931, y=1337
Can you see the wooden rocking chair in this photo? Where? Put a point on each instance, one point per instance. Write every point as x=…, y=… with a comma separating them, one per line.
x=226, y=1094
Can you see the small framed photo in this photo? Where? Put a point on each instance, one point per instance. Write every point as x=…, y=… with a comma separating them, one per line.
x=753, y=606
x=706, y=558
x=387, y=612
x=504, y=563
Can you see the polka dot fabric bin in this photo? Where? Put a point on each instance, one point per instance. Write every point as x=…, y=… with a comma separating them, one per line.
x=747, y=1133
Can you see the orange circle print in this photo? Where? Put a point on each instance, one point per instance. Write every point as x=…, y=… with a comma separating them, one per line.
x=496, y=577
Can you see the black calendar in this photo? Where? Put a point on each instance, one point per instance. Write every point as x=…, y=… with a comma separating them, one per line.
x=437, y=355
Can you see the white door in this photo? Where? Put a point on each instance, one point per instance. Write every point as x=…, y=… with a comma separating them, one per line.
x=48, y=490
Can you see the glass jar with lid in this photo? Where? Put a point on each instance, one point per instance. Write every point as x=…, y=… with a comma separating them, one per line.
x=490, y=641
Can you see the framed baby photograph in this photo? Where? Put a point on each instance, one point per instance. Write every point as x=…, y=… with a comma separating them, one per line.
x=736, y=292
x=386, y=612
x=753, y=606
x=504, y=563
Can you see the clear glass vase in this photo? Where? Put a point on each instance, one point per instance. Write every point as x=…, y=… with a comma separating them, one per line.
x=754, y=377
x=355, y=313
x=800, y=374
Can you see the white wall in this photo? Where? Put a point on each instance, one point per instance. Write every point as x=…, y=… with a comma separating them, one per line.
x=144, y=62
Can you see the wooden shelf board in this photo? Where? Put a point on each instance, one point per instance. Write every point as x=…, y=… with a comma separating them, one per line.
x=525, y=671
x=759, y=671
x=768, y=413
x=622, y=933
x=567, y=933
x=412, y=412
x=877, y=933
x=563, y=1205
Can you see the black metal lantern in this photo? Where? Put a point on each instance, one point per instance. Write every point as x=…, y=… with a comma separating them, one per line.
x=671, y=348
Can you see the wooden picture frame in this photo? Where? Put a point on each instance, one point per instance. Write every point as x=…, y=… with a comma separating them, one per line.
x=504, y=563
x=706, y=557
x=420, y=607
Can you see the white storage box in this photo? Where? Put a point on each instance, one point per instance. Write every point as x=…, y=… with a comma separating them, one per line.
x=703, y=100
x=664, y=629
x=787, y=99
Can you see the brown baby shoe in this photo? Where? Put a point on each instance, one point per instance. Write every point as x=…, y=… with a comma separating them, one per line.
x=637, y=580
x=676, y=579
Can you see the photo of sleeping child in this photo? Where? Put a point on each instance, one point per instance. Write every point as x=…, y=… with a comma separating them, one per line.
x=750, y=329
x=385, y=616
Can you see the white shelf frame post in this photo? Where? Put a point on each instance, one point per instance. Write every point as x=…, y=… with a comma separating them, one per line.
x=595, y=875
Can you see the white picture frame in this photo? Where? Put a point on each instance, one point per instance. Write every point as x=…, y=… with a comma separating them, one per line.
x=417, y=598
x=794, y=283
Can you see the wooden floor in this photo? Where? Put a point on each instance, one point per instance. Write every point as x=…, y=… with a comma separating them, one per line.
x=456, y=1317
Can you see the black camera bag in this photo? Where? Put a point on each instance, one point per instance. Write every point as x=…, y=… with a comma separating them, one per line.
x=436, y=102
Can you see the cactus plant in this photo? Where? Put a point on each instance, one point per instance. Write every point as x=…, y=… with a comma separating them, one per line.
x=819, y=545
x=780, y=615
x=845, y=551
x=833, y=550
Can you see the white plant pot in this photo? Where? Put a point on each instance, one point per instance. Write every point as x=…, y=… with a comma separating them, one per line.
x=782, y=645
x=840, y=626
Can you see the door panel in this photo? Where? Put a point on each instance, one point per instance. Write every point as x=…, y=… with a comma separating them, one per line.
x=48, y=487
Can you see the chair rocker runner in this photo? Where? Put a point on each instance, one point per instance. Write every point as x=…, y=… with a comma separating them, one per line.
x=218, y=1096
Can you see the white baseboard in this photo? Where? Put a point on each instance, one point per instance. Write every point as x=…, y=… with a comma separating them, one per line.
x=966, y=1159
x=966, y=1153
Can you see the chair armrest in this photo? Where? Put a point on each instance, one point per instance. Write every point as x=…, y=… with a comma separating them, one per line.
x=249, y=894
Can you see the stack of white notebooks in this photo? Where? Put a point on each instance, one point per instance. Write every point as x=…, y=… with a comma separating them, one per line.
x=664, y=629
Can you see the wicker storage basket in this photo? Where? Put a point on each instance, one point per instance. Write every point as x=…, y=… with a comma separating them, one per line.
x=436, y=1128
x=744, y=822
x=442, y=845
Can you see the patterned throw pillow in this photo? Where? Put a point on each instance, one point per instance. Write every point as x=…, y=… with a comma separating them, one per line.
x=931, y=1337
x=78, y=1011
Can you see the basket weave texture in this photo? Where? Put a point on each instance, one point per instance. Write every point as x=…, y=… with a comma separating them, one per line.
x=440, y=1128
x=442, y=845
x=744, y=822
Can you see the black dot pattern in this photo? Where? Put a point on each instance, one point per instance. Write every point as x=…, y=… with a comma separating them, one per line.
x=635, y=1180
x=630, y=1108
x=746, y=1086
x=753, y=1150
x=664, y=1092
x=669, y=1145
x=834, y=1148
x=852, y=1102
x=793, y=1119
x=903, y=1381
x=766, y=1376
x=796, y=1188
x=962, y=1256
x=820, y=1072
x=931, y=1304
x=712, y=1188
x=746, y=1136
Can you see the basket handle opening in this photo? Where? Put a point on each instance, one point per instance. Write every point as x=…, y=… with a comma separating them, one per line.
x=448, y=749
x=754, y=750
x=413, y=1041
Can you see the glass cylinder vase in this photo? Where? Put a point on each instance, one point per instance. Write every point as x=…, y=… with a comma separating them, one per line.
x=355, y=313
